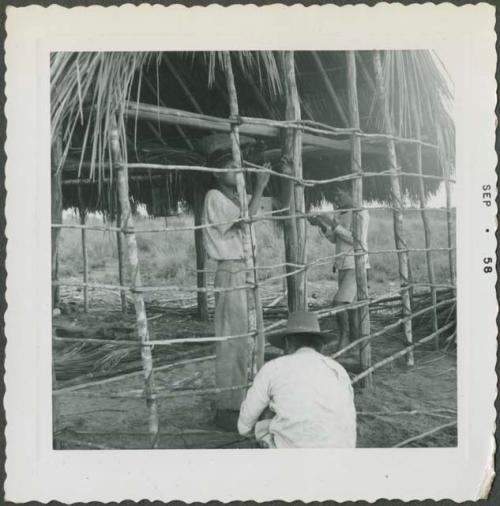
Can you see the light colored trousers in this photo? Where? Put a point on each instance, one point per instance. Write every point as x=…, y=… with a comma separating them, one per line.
x=231, y=318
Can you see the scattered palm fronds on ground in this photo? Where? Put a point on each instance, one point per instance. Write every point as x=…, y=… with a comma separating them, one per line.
x=80, y=361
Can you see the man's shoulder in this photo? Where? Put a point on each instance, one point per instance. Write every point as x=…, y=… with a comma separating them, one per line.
x=275, y=364
x=336, y=366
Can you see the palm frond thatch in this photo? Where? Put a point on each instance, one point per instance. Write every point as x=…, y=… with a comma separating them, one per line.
x=92, y=90
x=412, y=78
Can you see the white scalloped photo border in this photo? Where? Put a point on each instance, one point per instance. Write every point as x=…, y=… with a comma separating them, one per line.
x=34, y=470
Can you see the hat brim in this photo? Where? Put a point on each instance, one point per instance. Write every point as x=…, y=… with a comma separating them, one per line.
x=278, y=339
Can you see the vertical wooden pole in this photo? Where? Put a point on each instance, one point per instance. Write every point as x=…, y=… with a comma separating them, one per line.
x=357, y=197
x=295, y=228
x=201, y=276
x=397, y=205
x=450, y=227
x=56, y=214
x=121, y=260
x=140, y=309
x=425, y=221
x=255, y=318
x=449, y=219
x=82, y=211
x=56, y=218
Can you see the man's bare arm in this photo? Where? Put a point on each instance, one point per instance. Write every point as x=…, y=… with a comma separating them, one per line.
x=260, y=186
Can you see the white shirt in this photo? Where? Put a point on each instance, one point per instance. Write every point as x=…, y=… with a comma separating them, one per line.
x=342, y=237
x=312, y=398
x=222, y=241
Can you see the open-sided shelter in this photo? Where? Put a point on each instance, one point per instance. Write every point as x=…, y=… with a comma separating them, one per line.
x=380, y=120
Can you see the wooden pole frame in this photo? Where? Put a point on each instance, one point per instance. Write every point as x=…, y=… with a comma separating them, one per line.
x=259, y=127
x=256, y=322
x=449, y=220
x=295, y=228
x=56, y=213
x=450, y=227
x=397, y=205
x=56, y=217
x=82, y=211
x=121, y=259
x=425, y=223
x=363, y=313
x=140, y=309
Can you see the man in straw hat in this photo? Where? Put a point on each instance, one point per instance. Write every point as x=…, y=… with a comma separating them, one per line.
x=309, y=394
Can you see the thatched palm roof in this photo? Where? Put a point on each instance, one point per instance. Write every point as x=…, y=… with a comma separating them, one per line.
x=88, y=88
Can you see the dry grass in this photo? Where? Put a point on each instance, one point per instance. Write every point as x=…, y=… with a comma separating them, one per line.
x=170, y=258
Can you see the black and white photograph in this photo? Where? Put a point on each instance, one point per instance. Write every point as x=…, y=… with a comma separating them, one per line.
x=264, y=252
x=253, y=249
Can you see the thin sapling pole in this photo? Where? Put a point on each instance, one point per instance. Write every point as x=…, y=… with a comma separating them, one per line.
x=254, y=306
x=140, y=308
x=363, y=312
x=397, y=203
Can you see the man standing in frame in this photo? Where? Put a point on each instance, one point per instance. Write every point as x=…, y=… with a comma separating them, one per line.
x=223, y=242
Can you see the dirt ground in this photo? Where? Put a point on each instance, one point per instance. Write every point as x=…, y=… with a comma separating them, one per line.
x=405, y=402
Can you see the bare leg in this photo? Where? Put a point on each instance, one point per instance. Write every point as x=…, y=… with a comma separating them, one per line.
x=343, y=324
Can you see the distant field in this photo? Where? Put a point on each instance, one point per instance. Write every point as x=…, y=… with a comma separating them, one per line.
x=169, y=258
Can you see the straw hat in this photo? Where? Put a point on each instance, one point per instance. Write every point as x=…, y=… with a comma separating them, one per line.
x=300, y=322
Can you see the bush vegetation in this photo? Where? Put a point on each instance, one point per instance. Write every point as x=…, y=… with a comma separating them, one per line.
x=169, y=258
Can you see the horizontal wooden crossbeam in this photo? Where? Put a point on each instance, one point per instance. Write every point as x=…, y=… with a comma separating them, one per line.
x=258, y=128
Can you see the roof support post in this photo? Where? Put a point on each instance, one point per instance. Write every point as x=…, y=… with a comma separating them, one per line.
x=363, y=313
x=425, y=222
x=449, y=221
x=121, y=260
x=295, y=228
x=56, y=211
x=397, y=206
x=450, y=228
x=255, y=318
x=82, y=211
x=56, y=218
x=140, y=309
